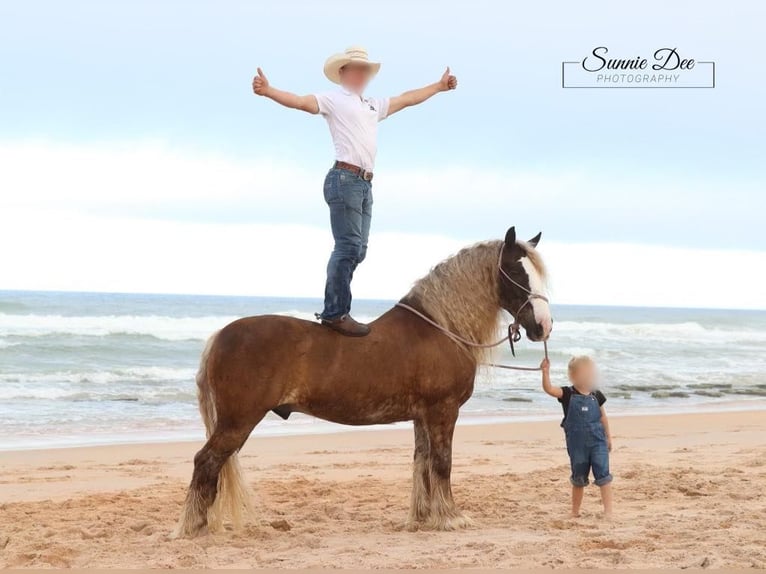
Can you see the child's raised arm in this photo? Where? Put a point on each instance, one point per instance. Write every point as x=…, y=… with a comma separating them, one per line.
x=553, y=391
x=261, y=87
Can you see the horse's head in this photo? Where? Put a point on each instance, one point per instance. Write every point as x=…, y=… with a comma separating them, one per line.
x=521, y=285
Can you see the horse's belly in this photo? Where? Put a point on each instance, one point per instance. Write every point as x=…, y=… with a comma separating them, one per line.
x=369, y=412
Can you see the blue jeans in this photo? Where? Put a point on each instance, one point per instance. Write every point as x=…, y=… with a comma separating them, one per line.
x=350, y=200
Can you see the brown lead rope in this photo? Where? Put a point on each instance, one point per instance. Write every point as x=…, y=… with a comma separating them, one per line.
x=449, y=333
x=513, y=334
x=515, y=368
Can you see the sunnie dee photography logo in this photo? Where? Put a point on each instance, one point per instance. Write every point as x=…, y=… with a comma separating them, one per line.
x=663, y=68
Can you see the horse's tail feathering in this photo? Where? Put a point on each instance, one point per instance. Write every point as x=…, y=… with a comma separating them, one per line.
x=204, y=392
x=233, y=495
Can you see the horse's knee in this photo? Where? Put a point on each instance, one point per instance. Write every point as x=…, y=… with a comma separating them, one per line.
x=205, y=462
x=421, y=451
x=440, y=429
x=207, y=467
x=422, y=443
x=441, y=462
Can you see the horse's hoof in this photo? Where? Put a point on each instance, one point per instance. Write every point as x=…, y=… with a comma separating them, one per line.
x=178, y=532
x=455, y=522
x=461, y=521
x=412, y=525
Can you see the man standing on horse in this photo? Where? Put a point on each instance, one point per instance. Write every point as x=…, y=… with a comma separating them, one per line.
x=353, y=120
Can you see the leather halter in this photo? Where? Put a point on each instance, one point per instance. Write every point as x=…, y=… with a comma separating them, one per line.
x=514, y=329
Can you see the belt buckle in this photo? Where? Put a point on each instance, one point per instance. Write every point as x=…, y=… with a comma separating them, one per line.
x=366, y=175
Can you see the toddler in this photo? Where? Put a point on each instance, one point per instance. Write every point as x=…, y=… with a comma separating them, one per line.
x=587, y=429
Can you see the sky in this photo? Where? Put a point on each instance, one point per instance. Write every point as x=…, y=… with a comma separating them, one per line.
x=134, y=156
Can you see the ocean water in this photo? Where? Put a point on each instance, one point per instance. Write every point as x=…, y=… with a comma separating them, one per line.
x=83, y=368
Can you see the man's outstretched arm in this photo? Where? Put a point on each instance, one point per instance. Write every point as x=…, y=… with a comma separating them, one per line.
x=261, y=87
x=415, y=97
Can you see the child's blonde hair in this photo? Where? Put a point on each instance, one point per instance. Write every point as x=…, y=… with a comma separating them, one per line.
x=578, y=360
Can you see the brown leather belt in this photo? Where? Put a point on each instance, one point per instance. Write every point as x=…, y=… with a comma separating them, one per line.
x=355, y=169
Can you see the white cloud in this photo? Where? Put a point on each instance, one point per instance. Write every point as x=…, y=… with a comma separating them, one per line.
x=64, y=251
x=60, y=250
x=151, y=179
x=145, y=172
x=650, y=275
x=81, y=218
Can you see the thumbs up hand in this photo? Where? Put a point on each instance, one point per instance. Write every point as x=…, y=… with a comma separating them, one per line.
x=448, y=81
x=260, y=84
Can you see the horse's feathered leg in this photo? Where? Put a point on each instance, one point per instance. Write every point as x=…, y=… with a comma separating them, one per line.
x=203, y=491
x=420, y=504
x=217, y=485
x=440, y=425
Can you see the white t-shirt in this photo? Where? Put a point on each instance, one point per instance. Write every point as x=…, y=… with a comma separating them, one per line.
x=353, y=122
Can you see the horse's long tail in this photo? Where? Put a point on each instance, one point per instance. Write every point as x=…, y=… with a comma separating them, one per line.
x=233, y=498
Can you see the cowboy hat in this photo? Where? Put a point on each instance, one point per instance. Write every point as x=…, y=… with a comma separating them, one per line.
x=354, y=54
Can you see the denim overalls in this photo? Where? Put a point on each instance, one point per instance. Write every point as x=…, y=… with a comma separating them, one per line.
x=586, y=440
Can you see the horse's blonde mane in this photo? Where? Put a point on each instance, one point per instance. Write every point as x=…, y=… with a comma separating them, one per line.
x=461, y=293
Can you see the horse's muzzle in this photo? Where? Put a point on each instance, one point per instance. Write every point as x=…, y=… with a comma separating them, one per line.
x=540, y=332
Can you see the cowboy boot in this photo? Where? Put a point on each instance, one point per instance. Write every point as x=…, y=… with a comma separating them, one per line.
x=346, y=325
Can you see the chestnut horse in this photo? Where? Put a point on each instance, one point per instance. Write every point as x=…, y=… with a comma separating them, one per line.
x=405, y=369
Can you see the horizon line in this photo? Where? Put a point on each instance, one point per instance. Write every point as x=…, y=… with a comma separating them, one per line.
x=368, y=299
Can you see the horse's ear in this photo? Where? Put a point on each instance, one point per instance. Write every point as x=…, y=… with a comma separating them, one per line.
x=535, y=240
x=510, y=237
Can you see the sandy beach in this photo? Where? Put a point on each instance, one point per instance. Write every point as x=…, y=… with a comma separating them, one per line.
x=689, y=492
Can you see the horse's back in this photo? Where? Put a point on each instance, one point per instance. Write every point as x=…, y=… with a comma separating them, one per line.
x=264, y=330
x=281, y=336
